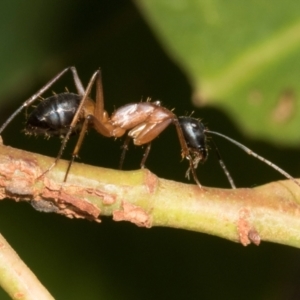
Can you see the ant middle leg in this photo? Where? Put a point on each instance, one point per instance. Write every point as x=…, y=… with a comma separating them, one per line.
x=125, y=148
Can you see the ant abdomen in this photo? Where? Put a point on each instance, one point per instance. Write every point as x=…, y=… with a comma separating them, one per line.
x=54, y=115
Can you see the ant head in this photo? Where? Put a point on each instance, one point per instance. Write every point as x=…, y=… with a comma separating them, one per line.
x=194, y=134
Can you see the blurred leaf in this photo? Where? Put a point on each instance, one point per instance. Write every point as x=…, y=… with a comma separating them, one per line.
x=240, y=56
x=25, y=44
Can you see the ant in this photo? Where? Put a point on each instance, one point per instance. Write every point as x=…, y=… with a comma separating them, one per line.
x=68, y=113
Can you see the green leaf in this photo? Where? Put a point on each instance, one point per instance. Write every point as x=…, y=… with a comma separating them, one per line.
x=243, y=57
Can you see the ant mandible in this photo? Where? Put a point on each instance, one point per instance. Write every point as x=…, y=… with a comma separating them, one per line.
x=68, y=113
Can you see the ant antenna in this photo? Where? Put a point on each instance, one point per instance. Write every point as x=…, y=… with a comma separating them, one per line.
x=250, y=152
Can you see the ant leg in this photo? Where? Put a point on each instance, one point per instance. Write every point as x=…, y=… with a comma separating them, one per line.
x=125, y=148
x=192, y=169
x=77, y=82
x=250, y=152
x=78, y=144
x=145, y=155
x=185, y=153
x=223, y=166
x=99, y=106
x=34, y=97
x=73, y=123
x=100, y=120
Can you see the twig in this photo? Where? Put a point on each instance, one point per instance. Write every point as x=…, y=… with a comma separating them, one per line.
x=270, y=212
x=16, y=278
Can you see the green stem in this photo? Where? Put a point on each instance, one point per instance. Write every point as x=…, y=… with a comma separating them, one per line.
x=16, y=278
x=270, y=212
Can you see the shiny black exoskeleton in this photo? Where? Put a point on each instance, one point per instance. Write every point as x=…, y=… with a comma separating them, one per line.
x=54, y=115
x=194, y=133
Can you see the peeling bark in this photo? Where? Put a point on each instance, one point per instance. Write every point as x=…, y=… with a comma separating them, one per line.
x=270, y=212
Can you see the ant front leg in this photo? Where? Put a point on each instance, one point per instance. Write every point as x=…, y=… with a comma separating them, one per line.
x=125, y=148
x=145, y=155
x=145, y=133
x=223, y=166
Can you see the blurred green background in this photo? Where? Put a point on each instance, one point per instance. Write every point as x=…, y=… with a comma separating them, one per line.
x=77, y=259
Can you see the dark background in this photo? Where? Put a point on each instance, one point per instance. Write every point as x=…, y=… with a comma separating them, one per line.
x=78, y=259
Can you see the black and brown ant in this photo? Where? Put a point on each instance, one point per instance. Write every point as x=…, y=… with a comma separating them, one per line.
x=68, y=113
